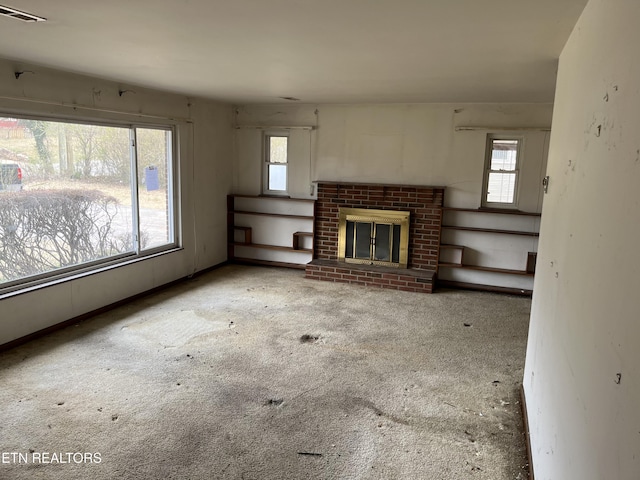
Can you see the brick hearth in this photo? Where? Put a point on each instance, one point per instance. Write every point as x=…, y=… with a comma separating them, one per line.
x=425, y=205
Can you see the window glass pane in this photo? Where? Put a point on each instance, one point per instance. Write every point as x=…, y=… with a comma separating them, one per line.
x=363, y=240
x=278, y=177
x=278, y=149
x=154, y=192
x=70, y=203
x=383, y=247
x=395, y=257
x=501, y=187
x=504, y=154
x=348, y=253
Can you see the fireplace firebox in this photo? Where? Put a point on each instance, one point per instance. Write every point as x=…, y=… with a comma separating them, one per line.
x=373, y=237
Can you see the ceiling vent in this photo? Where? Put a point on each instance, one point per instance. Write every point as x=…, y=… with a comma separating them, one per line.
x=19, y=15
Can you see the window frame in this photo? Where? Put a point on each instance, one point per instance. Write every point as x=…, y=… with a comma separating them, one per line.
x=266, y=160
x=485, y=203
x=63, y=274
x=172, y=186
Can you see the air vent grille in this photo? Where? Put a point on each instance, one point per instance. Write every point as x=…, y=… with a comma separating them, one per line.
x=19, y=15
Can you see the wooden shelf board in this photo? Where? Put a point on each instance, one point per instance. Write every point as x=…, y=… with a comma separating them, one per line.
x=296, y=239
x=491, y=210
x=446, y=246
x=486, y=269
x=274, y=197
x=483, y=288
x=272, y=247
x=280, y=215
x=269, y=263
x=491, y=230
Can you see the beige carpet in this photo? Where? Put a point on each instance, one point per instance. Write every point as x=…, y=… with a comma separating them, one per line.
x=259, y=373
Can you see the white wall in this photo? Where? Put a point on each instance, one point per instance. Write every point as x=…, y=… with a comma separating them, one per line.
x=397, y=143
x=585, y=328
x=247, y=178
x=419, y=144
x=205, y=147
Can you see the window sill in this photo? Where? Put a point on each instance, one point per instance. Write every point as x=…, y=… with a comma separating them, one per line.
x=275, y=194
x=29, y=287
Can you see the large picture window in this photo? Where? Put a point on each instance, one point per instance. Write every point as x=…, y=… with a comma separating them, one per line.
x=78, y=195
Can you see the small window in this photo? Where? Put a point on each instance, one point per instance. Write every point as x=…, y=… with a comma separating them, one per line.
x=501, y=174
x=276, y=163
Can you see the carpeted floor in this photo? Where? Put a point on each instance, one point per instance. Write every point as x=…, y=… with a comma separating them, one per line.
x=259, y=373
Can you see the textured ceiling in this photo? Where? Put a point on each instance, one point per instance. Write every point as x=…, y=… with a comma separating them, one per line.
x=319, y=51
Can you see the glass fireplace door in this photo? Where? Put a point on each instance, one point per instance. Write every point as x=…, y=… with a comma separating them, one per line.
x=371, y=241
x=373, y=237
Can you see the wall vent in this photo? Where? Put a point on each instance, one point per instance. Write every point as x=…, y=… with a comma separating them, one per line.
x=19, y=15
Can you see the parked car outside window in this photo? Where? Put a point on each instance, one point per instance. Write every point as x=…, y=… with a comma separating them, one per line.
x=10, y=176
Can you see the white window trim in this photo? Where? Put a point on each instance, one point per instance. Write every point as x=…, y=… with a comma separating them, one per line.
x=487, y=170
x=267, y=134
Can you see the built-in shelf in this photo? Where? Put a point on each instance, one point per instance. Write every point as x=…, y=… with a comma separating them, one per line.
x=297, y=241
x=281, y=215
x=445, y=246
x=274, y=197
x=486, y=269
x=452, y=248
x=491, y=210
x=259, y=206
x=269, y=263
x=451, y=259
x=485, y=288
x=491, y=230
x=246, y=233
x=272, y=247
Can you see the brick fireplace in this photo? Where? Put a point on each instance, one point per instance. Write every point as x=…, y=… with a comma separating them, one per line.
x=424, y=203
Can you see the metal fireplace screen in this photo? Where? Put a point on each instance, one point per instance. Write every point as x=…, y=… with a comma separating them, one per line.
x=373, y=237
